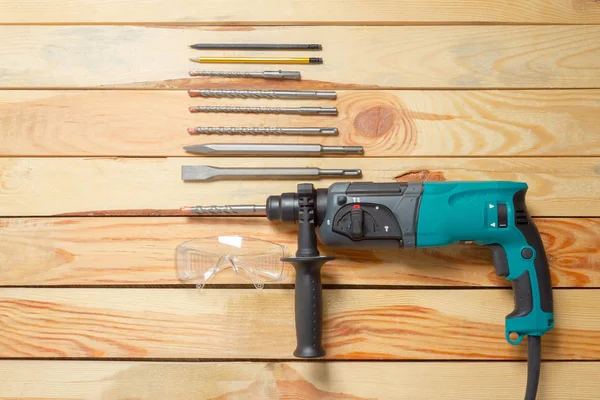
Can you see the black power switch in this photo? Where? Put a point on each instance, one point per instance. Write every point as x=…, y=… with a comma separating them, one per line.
x=357, y=230
x=502, y=216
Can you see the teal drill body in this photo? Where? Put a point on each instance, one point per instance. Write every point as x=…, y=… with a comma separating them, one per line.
x=493, y=214
x=416, y=214
x=396, y=215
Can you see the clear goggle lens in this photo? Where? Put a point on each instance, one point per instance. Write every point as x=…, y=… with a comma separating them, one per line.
x=253, y=260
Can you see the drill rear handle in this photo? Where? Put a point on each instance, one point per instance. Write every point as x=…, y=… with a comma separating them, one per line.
x=494, y=214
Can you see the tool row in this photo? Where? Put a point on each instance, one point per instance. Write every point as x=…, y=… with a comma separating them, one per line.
x=259, y=94
x=206, y=172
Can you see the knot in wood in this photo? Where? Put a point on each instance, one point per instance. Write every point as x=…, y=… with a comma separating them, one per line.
x=375, y=121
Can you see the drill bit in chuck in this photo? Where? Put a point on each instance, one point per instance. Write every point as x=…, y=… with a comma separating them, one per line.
x=262, y=131
x=266, y=110
x=295, y=75
x=263, y=94
x=226, y=210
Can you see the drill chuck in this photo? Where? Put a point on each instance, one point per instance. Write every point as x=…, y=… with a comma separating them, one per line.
x=282, y=208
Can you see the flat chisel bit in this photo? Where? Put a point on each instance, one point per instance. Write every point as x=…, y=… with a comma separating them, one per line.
x=266, y=110
x=263, y=94
x=272, y=150
x=295, y=75
x=209, y=130
x=208, y=173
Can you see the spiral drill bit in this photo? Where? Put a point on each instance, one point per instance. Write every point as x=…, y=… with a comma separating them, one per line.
x=266, y=110
x=261, y=131
x=262, y=94
x=295, y=75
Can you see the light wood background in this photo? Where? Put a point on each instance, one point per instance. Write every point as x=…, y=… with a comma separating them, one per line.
x=93, y=118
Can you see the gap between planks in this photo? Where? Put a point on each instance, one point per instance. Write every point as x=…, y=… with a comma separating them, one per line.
x=277, y=85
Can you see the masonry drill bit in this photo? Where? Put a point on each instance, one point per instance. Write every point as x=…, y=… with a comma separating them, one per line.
x=272, y=150
x=295, y=75
x=256, y=46
x=207, y=173
x=265, y=110
x=258, y=60
x=263, y=94
x=209, y=130
x=226, y=210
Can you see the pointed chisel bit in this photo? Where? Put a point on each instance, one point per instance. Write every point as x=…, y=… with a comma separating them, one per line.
x=257, y=46
x=271, y=150
x=207, y=173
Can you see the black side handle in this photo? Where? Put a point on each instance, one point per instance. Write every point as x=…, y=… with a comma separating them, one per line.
x=307, y=263
x=308, y=306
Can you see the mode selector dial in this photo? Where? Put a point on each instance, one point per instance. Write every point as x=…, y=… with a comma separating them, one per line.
x=357, y=229
x=365, y=221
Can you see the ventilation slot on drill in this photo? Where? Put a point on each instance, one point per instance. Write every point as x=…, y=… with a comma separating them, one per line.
x=521, y=217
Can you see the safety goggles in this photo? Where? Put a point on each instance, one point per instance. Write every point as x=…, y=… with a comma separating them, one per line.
x=253, y=260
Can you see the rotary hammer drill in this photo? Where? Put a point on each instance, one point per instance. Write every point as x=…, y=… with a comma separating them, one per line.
x=415, y=214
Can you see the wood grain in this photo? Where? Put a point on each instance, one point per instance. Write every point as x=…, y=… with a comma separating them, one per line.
x=130, y=187
x=301, y=12
x=355, y=57
x=139, y=251
x=246, y=323
x=547, y=137
x=292, y=380
x=386, y=123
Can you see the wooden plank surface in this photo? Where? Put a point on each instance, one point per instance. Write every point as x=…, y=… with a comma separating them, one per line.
x=354, y=57
x=152, y=186
x=316, y=381
x=386, y=123
x=139, y=251
x=301, y=12
x=501, y=90
x=246, y=323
